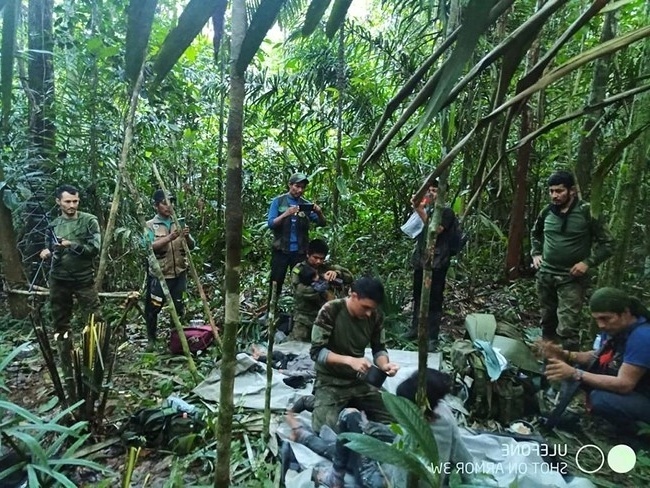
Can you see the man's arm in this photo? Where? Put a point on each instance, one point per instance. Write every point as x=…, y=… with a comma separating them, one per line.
x=623, y=383
x=91, y=244
x=318, y=217
x=334, y=271
x=320, y=337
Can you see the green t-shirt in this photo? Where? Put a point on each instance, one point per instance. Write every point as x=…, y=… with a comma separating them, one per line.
x=564, y=240
x=337, y=331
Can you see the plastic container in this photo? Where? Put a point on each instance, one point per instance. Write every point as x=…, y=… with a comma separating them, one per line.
x=413, y=226
x=180, y=404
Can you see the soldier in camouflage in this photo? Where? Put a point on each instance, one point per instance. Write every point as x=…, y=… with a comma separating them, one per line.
x=342, y=331
x=308, y=299
x=567, y=241
x=72, y=245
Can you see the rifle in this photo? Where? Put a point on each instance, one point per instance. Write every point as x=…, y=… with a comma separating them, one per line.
x=568, y=389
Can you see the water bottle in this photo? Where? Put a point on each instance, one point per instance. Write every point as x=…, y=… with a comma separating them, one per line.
x=179, y=404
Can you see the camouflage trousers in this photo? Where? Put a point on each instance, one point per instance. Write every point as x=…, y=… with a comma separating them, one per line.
x=62, y=295
x=330, y=400
x=301, y=328
x=561, y=299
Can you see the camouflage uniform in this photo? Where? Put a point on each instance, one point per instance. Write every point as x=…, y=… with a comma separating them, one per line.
x=337, y=386
x=73, y=271
x=564, y=240
x=307, y=301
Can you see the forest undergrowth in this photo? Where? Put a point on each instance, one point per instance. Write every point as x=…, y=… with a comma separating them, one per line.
x=145, y=379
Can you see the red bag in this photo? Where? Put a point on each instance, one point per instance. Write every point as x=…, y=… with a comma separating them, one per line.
x=198, y=339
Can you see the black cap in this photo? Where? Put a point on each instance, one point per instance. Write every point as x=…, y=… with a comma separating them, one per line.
x=159, y=196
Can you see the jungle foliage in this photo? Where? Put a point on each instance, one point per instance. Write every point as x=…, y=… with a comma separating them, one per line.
x=370, y=102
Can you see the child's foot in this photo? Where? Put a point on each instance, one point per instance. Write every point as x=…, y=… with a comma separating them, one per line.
x=328, y=477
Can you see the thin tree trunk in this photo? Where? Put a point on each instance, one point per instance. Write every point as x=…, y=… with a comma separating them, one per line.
x=340, y=86
x=518, y=214
x=11, y=261
x=127, y=141
x=234, y=223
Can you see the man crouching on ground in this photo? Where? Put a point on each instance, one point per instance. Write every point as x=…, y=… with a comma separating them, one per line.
x=342, y=331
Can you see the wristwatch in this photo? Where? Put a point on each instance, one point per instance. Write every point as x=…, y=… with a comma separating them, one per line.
x=577, y=374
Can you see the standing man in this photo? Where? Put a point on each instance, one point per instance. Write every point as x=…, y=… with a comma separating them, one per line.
x=566, y=242
x=73, y=243
x=307, y=300
x=440, y=261
x=341, y=333
x=167, y=243
x=289, y=218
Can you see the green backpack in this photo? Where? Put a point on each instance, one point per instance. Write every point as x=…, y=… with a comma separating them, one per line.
x=502, y=400
x=162, y=427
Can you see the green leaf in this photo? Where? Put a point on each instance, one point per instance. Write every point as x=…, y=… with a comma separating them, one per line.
x=10, y=357
x=138, y=30
x=62, y=479
x=389, y=454
x=315, y=12
x=476, y=20
x=337, y=17
x=262, y=21
x=195, y=15
x=411, y=420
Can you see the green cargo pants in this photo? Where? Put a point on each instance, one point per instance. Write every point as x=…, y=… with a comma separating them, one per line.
x=62, y=294
x=561, y=298
x=330, y=400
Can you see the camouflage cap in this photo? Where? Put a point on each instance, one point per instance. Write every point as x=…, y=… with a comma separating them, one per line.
x=298, y=178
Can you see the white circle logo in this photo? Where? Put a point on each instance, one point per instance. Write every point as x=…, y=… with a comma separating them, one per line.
x=602, y=458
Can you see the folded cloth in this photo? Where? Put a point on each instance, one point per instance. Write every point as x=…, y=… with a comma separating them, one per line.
x=491, y=359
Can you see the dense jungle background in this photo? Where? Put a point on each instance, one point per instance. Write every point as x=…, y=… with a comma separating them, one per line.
x=370, y=98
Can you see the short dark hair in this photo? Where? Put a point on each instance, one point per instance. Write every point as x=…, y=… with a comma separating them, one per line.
x=438, y=385
x=369, y=287
x=562, y=178
x=317, y=246
x=66, y=188
x=306, y=275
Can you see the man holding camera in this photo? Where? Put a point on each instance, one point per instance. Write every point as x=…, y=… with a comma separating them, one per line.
x=309, y=297
x=290, y=216
x=163, y=235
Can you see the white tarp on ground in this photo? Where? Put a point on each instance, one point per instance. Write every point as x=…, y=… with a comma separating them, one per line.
x=502, y=457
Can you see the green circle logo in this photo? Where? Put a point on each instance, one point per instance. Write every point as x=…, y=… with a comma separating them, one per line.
x=621, y=458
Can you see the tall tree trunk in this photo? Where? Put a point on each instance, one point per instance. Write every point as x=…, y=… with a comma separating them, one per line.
x=590, y=128
x=40, y=80
x=517, y=227
x=11, y=261
x=93, y=152
x=234, y=223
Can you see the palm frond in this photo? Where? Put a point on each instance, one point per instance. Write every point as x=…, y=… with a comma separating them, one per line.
x=191, y=21
x=138, y=30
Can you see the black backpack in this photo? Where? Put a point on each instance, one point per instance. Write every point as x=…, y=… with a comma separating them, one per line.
x=457, y=237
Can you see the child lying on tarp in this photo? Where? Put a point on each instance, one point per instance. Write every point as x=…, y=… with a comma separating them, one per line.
x=369, y=473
